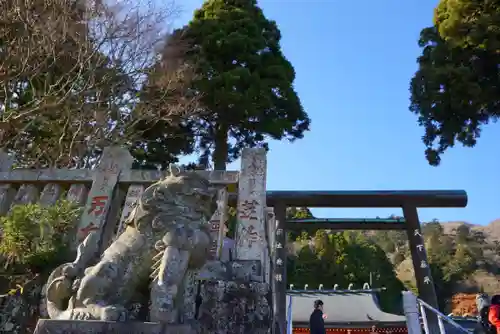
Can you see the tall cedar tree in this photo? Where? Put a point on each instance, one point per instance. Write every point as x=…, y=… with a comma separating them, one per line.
x=456, y=89
x=245, y=81
x=162, y=141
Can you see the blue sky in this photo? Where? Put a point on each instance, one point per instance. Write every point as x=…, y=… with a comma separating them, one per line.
x=354, y=61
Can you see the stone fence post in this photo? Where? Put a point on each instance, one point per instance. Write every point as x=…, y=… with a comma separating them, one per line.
x=113, y=161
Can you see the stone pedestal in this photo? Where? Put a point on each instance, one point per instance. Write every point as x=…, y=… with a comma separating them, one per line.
x=239, y=270
x=234, y=300
x=232, y=307
x=46, y=326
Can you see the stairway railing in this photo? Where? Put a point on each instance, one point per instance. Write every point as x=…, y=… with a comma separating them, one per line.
x=414, y=308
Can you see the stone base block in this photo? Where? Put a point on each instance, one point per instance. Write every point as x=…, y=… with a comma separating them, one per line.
x=238, y=270
x=234, y=308
x=46, y=326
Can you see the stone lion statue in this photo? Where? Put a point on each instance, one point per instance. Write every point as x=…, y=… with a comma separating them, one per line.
x=165, y=235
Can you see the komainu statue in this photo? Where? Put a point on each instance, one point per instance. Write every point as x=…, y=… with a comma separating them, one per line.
x=166, y=234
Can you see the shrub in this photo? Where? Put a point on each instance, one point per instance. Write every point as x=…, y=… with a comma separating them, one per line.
x=35, y=238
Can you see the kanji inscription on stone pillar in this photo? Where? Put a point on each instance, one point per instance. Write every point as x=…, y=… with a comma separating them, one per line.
x=270, y=230
x=251, y=228
x=114, y=159
x=216, y=224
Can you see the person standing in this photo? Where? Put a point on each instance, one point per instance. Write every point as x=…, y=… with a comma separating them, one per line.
x=483, y=308
x=316, y=321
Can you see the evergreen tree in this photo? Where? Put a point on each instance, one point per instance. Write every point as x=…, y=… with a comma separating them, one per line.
x=244, y=80
x=469, y=23
x=344, y=258
x=297, y=213
x=306, y=269
x=463, y=234
x=456, y=88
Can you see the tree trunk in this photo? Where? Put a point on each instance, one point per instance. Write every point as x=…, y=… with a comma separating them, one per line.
x=221, y=147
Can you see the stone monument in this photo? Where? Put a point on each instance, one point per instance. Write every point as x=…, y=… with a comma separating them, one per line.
x=141, y=282
x=166, y=235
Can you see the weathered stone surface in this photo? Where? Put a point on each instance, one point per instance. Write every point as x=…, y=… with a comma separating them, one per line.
x=187, y=309
x=270, y=231
x=27, y=193
x=18, y=312
x=77, y=194
x=251, y=228
x=50, y=194
x=46, y=326
x=165, y=237
x=234, y=308
x=134, y=192
x=217, y=226
x=113, y=161
x=239, y=270
x=7, y=191
x=130, y=176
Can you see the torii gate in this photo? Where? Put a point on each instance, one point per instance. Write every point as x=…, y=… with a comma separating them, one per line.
x=409, y=201
x=261, y=228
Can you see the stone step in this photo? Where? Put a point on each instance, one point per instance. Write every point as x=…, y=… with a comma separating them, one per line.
x=45, y=326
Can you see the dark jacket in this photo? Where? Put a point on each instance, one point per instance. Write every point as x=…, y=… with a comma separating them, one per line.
x=316, y=322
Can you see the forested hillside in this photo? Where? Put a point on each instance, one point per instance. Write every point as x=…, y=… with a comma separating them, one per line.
x=463, y=258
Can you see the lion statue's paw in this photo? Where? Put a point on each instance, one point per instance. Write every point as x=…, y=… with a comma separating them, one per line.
x=114, y=313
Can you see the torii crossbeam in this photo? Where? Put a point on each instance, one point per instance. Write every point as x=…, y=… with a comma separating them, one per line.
x=409, y=201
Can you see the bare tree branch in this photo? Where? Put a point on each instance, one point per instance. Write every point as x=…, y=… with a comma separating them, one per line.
x=77, y=75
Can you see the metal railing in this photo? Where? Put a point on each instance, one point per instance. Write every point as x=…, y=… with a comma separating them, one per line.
x=416, y=309
x=441, y=319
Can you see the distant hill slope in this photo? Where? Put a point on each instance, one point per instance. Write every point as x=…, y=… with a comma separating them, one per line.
x=491, y=231
x=485, y=277
x=464, y=258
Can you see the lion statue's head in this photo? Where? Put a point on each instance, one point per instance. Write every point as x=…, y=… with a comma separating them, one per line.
x=180, y=194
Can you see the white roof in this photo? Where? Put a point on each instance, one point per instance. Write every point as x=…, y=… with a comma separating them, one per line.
x=343, y=308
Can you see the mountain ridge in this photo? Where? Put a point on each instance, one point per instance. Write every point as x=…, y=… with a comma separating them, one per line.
x=485, y=277
x=491, y=230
